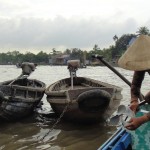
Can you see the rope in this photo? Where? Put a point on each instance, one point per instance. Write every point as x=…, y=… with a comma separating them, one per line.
x=55, y=124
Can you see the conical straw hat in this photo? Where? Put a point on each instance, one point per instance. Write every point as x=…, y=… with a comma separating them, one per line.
x=137, y=56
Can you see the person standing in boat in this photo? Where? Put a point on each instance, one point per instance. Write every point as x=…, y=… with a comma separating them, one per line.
x=137, y=59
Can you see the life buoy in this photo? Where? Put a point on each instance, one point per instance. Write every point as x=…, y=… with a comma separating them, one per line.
x=94, y=100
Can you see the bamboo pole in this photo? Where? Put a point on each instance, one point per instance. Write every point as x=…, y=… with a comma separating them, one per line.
x=117, y=73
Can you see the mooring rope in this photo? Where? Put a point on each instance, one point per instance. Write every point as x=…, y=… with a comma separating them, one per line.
x=55, y=124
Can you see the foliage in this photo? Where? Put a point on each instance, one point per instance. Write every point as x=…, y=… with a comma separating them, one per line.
x=110, y=53
x=143, y=30
x=121, y=44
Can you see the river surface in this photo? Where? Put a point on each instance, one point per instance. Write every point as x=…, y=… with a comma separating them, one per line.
x=26, y=134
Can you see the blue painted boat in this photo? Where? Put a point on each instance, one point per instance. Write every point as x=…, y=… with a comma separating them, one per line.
x=130, y=140
x=120, y=140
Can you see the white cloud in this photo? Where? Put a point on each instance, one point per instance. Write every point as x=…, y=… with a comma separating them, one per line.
x=45, y=24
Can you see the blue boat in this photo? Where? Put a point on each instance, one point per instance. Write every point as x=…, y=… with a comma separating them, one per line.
x=121, y=140
x=124, y=139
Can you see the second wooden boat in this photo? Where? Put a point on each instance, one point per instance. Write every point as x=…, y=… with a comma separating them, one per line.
x=19, y=97
x=82, y=99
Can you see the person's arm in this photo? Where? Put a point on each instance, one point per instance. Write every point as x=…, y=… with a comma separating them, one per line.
x=136, y=85
x=148, y=115
x=135, y=89
x=134, y=123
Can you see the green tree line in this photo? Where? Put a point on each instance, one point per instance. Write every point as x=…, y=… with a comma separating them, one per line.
x=110, y=53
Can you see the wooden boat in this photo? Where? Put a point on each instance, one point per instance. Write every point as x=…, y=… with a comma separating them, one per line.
x=130, y=140
x=83, y=99
x=19, y=97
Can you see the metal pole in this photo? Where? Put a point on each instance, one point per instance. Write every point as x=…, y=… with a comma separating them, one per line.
x=116, y=72
x=72, y=74
x=111, y=68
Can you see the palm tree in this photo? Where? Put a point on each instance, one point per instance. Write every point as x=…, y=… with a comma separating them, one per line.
x=95, y=48
x=143, y=30
x=115, y=38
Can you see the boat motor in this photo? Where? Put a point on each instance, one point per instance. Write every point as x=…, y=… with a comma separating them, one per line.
x=28, y=68
x=73, y=66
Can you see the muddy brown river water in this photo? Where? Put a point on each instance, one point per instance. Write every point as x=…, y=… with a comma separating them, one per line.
x=25, y=134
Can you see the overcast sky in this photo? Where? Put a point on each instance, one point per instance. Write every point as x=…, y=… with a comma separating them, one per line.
x=35, y=25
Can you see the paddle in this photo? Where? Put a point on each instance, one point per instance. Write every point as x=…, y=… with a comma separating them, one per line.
x=111, y=68
x=142, y=101
x=117, y=73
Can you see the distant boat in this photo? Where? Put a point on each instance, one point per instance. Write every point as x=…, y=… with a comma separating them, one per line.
x=20, y=96
x=18, y=65
x=82, y=65
x=82, y=99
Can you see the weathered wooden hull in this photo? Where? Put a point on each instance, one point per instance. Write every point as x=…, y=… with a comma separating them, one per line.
x=60, y=94
x=20, y=98
x=130, y=140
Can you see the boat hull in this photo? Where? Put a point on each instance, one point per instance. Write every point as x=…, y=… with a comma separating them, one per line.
x=120, y=140
x=91, y=110
x=74, y=114
x=20, y=98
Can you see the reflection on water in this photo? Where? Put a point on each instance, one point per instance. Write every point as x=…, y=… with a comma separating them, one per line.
x=28, y=133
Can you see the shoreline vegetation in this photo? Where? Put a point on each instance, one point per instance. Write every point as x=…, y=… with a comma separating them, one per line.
x=56, y=57
x=59, y=58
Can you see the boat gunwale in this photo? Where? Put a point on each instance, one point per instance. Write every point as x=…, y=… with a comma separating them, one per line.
x=63, y=92
x=50, y=88
x=22, y=99
x=29, y=88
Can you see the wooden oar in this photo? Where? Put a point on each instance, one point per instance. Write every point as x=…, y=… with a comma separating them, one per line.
x=111, y=68
x=22, y=76
x=117, y=73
